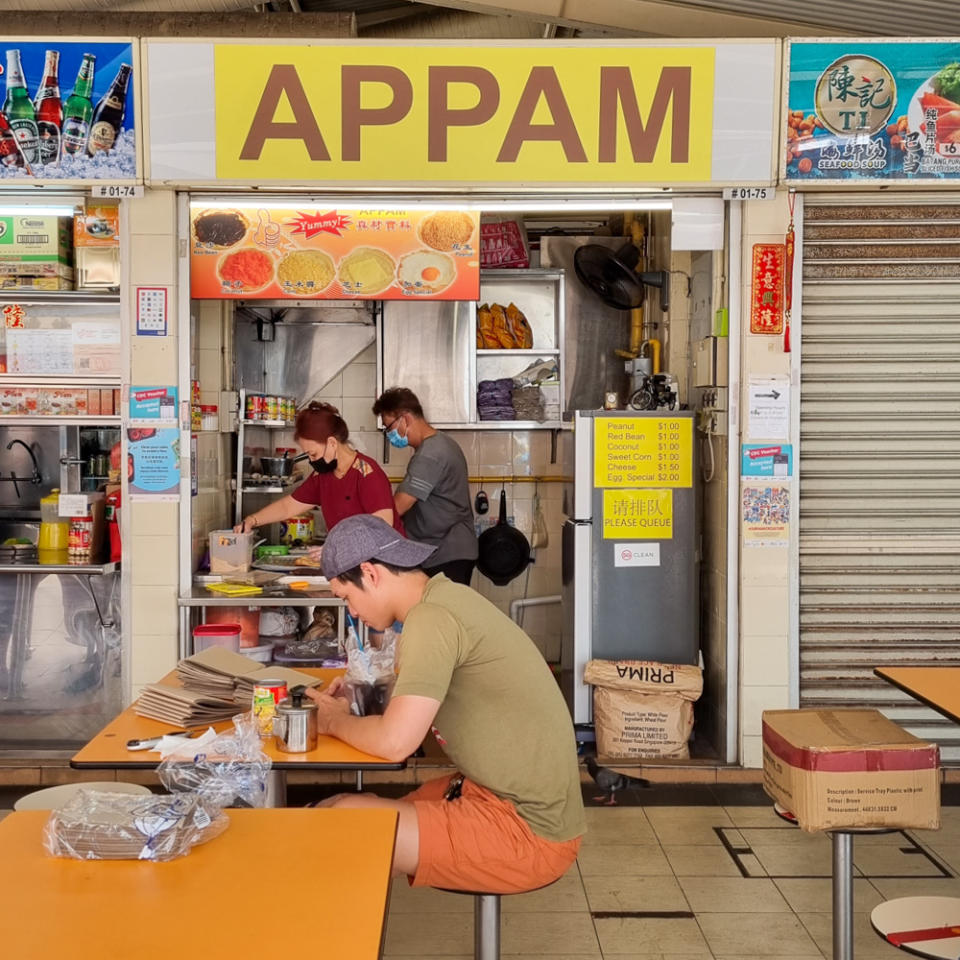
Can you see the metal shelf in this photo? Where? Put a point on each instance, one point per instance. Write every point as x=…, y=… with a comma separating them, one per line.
x=42, y=569
x=532, y=352
x=201, y=597
x=107, y=381
x=285, y=424
x=265, y=489
x=78, y=420
x=58, y=296
x=507, y=425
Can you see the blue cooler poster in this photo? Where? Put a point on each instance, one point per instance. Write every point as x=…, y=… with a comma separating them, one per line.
x=873, y=110
x=67, y=111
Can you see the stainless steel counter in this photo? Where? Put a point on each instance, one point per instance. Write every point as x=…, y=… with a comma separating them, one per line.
x=84, y=569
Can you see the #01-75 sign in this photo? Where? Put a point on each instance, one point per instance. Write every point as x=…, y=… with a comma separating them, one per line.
x=334, y=254
x=68, y=111
x=873, y=110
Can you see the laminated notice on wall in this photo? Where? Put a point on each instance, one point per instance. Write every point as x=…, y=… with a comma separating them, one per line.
x=638, y=514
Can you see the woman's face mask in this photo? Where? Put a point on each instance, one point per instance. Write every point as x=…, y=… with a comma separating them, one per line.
x=324, y=466
x=318, y=455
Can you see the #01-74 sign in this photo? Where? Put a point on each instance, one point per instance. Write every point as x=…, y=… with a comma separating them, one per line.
x=334, y=254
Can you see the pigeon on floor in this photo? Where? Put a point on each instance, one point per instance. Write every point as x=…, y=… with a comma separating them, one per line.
x=610, y=781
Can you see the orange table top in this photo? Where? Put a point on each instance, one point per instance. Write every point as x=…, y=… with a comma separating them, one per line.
x=108, y=749
x=937, y=687
x=278, y=880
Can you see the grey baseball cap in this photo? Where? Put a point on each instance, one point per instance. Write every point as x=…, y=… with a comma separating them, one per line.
x=364, y=537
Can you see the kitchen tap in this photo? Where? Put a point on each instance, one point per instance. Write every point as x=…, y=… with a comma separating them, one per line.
x=35, y=478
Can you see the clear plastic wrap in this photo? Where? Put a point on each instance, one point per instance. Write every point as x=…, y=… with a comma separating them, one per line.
x=368, y=682
x=94, y=825
x=231, y=770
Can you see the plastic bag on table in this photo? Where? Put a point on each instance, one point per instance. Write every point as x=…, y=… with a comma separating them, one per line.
x=94, y=825
x=231, y=771
x=368, y=682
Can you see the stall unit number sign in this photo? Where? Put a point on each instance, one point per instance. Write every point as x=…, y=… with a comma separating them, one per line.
x=643, y=452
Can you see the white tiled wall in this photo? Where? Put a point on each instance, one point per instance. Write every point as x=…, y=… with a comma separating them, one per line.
x=489, y=453
x=764, y=571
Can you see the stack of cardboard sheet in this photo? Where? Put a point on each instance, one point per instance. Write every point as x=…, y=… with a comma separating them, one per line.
x=217, y=684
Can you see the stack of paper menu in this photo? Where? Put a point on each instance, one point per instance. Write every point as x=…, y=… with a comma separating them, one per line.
x=230, y=676
x=217, y=684
x=184, y=708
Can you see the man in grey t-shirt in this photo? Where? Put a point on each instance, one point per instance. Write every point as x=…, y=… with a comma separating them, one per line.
x=434, y=497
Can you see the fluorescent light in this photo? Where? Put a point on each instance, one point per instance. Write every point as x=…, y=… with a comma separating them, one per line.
x=36, y=209
x=543, y=204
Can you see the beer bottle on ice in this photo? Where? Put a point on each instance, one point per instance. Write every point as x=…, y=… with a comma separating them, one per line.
x=78, y=109
x=19, y=110
x=49, y=109
x=10, y=155
x=108, y=115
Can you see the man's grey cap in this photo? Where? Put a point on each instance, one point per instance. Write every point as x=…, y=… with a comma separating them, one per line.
x=364, y=537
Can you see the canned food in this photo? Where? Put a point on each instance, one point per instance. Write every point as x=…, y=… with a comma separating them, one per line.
x=266, y=695
x=271, y=411
x=286, y=411
x=297, y=529
x=250, y=408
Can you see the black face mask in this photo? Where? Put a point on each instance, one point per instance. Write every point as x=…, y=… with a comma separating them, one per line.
x=324, y=466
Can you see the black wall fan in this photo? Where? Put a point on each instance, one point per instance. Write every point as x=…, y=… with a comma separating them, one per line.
x=610, y=274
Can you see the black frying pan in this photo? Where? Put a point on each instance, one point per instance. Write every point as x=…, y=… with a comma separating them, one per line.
x=504, y=550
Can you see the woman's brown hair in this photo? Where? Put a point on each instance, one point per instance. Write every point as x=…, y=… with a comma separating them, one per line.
x=320, y=421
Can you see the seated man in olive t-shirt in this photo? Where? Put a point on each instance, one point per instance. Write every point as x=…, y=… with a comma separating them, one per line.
x=511, y=819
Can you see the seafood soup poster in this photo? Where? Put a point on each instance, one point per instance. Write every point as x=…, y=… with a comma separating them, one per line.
x=865, y=110
x=68, y=111
x=333, y=253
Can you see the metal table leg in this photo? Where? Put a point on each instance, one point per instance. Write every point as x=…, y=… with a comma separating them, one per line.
x=842, y=895
x=359, y=781
x=277, y=788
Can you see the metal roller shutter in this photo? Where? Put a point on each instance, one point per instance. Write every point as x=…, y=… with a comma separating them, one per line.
x=880, y=452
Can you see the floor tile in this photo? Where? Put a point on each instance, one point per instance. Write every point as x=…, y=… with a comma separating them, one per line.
x=715, y=815
x=893, y=862
x=795, y=860
x=757, y=817
x=610, y=860
x=719, y=894
x=564, y=896
x=423, y=900
x=622, y=825
x=769, y=956
x=918, y=887
x=750, y=935
x=446, y=934
x=697, y=832
x=634, y=893
x=949, y=853
x=867, y=943
x=815, y=895
x=763, y=837
x=701, y=861
x=624, y=935
x=548, y=934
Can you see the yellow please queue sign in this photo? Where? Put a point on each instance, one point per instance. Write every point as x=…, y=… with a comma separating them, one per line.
x=643, y=452
x=342, y=113
x=638, y=514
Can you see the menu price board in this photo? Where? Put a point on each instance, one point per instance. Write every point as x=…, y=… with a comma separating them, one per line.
x=643, y=452
x=873, y=110
x=334, y=254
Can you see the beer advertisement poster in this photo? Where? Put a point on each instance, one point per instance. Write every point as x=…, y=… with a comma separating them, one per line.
x=334, y=253
x=864, y=110
x=68, y=111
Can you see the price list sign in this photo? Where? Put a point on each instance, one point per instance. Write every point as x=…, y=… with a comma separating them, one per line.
x=643, y=452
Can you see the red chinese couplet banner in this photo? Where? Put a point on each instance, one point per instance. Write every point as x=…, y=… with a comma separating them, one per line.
x=766, y=300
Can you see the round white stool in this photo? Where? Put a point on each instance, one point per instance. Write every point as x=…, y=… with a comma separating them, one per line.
x=925, y=926
x=52, y=797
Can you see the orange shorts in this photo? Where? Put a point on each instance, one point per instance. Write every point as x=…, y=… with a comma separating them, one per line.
x=479, y=842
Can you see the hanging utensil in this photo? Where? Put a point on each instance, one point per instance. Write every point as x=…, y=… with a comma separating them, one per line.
x=504, y=552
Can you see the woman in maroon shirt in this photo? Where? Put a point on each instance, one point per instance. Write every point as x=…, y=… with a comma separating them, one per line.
x=345, y=482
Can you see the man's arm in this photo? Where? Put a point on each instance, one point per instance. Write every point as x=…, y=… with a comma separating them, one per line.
x=403, y=502
x=393, y=736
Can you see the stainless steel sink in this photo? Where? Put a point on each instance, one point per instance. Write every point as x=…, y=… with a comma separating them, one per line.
x=28, y=529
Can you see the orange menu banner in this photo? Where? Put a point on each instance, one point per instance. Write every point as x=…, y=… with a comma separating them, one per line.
x=333, y=254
